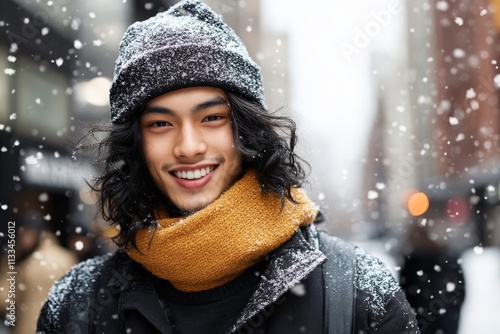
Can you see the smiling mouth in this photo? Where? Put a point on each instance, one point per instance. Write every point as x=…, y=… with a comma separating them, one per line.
x=193, y=174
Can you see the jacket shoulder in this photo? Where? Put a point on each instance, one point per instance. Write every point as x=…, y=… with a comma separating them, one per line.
x=68, y=301
x=381, y=305
x=371, y=276
x=374, y=280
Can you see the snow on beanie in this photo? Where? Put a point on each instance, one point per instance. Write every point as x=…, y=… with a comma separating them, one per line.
x=188, y=45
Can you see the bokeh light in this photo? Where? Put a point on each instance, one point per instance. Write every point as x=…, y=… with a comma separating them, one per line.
x=457, y=210
x=418, y=203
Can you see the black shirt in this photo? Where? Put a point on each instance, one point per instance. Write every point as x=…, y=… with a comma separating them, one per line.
x=210, y=311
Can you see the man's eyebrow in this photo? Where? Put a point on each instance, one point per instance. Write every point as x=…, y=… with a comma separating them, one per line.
x=156, y=110
x=216, y=101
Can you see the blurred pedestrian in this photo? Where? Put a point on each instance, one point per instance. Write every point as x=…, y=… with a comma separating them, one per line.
x=40, y=261
x=432, y=277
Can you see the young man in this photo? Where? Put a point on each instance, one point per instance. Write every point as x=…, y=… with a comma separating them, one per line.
x=215, y=233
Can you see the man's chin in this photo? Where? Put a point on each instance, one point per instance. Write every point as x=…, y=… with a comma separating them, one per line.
x=184, y=212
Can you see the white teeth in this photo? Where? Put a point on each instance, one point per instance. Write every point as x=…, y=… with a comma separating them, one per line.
x=193, y=174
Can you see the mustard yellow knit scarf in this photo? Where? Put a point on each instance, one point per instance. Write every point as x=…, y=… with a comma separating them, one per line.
x=216, y=244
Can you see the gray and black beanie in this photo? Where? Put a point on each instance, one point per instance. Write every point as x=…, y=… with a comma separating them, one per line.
x=188, y=45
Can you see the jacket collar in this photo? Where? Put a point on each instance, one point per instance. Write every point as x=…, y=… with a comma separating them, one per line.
x=288, y=265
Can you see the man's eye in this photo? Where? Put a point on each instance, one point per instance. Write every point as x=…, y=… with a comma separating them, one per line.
x=212, y=118
x=160, y=123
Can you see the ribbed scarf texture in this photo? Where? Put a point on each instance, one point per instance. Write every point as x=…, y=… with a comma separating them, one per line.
x=215, y=245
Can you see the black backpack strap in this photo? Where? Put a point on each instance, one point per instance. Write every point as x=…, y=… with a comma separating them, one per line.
x=340, y=291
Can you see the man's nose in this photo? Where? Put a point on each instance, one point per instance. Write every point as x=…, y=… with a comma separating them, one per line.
x=190, y=143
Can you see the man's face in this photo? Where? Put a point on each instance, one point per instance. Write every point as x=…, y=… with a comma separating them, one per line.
x=188, y=145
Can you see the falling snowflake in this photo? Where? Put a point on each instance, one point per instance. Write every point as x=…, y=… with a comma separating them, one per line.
x=496, y=81
x=471, y=93
x=31, y=160
x=458, y=53
x=298, y=290
x=77, y=44
x=43, y=197
x=75, y=24
x=9, y=71
x=442, y=5
x=59, y=62
x=79, y=245
x=453, y=120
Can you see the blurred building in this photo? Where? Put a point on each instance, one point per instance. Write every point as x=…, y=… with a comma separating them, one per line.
x=438, y=127
x=437, y=135
x=466, y=125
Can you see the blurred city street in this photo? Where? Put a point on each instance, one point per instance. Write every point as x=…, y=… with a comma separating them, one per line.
x=481, y=267
x=397, y=107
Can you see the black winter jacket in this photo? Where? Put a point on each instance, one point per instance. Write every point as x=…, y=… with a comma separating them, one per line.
x=112, y=293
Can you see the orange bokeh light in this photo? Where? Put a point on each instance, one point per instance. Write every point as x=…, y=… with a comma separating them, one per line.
x=418, y=203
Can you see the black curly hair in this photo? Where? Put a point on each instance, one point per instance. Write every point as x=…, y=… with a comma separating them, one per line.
x=128, y=196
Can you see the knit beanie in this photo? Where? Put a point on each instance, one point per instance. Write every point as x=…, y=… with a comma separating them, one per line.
x=188, y=45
